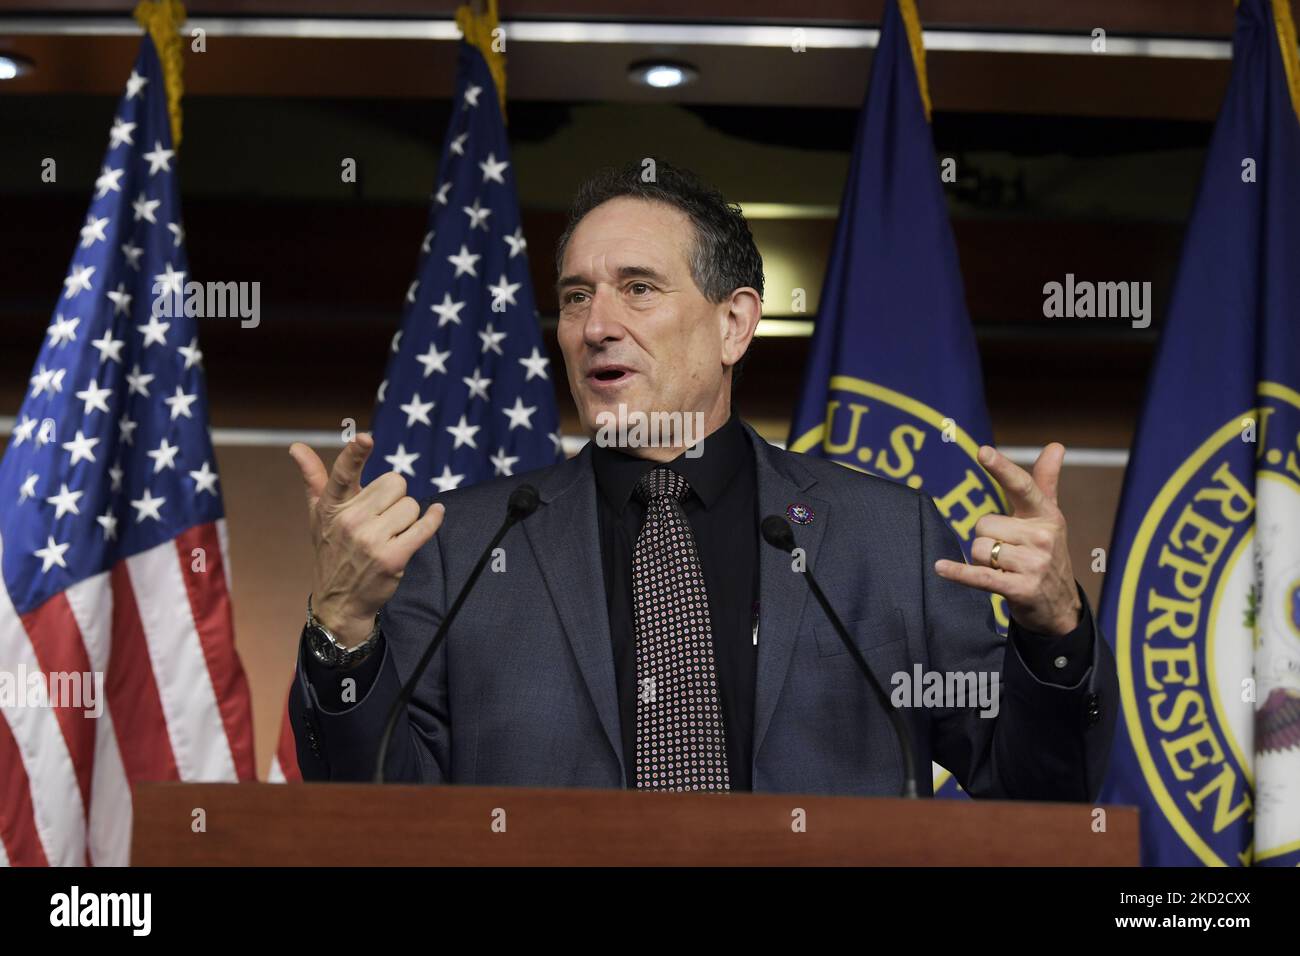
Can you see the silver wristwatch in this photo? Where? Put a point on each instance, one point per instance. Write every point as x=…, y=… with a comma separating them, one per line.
x=327, y=648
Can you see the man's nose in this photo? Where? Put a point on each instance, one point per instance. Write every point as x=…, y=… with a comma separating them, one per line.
x=603, y=321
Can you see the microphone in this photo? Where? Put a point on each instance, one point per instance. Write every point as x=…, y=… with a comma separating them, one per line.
x=777, y=533
x=524, y=500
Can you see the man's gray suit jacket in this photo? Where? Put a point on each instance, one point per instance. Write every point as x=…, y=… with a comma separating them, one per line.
x=522, y=692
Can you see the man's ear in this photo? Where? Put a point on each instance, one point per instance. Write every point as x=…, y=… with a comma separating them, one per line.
x=740, y=320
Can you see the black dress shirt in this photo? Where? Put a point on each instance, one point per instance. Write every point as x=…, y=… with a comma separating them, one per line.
x=722, y=509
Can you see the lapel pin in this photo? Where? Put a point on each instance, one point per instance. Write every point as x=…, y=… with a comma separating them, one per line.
x=799, y=514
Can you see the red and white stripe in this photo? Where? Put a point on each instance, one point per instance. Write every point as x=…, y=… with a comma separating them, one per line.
x=160, y=630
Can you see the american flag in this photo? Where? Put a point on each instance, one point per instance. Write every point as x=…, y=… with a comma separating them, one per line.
x=467, y=394
x=112, y=531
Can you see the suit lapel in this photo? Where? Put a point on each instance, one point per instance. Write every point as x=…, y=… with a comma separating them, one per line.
x=782, y=592
x=565, y=539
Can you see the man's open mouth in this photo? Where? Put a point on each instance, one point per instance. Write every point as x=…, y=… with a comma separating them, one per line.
x=613, y=373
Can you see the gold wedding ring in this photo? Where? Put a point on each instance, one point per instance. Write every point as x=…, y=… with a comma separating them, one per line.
x=993, y=555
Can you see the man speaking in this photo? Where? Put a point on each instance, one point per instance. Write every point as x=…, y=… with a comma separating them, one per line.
x=639, y=632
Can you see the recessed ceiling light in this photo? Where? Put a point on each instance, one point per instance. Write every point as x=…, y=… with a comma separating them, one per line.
x=13, y=66
x=662, y=75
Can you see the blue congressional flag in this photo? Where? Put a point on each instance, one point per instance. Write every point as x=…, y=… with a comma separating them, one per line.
x=112, y=531
x=1202, y=595
x=468, y=394
x=893, y=383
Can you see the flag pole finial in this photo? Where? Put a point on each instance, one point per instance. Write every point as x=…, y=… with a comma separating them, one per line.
x=912, y=21
x=478, y=23
x=163, y=19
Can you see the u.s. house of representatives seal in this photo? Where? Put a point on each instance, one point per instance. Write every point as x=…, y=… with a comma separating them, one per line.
x=1208, y=638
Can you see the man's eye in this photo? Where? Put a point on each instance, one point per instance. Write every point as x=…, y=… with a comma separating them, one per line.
x=575, y=297
x=639, y=288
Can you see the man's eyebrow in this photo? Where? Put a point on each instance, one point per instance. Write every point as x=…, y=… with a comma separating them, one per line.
x=569, y=280
x=641, y=272
x=625, y=272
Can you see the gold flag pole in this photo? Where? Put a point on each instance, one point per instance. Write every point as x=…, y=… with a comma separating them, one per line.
x=915, y=40
x=478, y=22
x=163, y=19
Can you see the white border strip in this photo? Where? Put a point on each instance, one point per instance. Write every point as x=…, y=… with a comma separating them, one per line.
x=284, y=437
x=672, y=34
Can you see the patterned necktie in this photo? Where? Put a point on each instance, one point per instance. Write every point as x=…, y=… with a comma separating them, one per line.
x=681, y=743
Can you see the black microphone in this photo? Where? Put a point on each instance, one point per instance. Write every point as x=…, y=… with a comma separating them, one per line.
x=524, y=500
x=777, y=533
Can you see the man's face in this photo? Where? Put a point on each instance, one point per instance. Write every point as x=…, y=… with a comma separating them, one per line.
x=634, y=329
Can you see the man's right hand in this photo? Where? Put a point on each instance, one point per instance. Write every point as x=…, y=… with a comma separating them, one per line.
x=363, y=537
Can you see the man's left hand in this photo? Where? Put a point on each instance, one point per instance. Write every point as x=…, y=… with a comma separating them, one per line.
x=1033, y=563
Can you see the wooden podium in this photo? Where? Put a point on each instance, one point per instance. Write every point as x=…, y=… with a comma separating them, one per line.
x=260, y=824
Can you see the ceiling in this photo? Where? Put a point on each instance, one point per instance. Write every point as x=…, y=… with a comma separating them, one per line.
x=738, y=63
